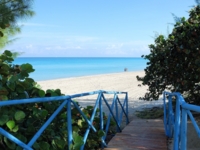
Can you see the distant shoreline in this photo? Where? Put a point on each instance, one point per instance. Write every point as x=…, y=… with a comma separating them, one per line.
x=49, y=68
x=87, y=76
x=122, y=82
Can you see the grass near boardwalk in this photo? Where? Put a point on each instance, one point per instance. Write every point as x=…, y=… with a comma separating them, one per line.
x=150, y=113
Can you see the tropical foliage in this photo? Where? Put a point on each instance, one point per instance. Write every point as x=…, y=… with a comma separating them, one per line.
x=23, y=121
x=13, y=10
x=10, y=12
x=174, y=62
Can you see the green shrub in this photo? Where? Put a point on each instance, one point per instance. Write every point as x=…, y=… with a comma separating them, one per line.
x=174, y=62
x=23, y=121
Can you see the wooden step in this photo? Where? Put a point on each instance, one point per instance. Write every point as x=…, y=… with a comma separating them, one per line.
x=140, y=134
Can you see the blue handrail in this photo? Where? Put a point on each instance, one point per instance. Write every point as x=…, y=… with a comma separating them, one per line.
x=67, y=101
x=175, y=119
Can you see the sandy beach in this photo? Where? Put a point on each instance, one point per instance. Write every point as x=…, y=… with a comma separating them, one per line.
x=123, y=82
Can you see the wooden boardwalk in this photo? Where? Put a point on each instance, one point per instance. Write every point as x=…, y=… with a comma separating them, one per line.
x=140, y=134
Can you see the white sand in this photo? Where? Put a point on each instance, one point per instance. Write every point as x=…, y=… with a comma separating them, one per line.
x=123, y=82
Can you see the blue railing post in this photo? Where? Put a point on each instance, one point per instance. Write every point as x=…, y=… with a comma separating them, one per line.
x=170, y=113
x=165, y=115
x=101, y=119
x=69, y=124
x=184, y=130
x=116, y=109
x=101, y=113
x=126, y=100
x=179, y=125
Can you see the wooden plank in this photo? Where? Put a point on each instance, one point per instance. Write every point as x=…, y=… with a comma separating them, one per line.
x=140, y=134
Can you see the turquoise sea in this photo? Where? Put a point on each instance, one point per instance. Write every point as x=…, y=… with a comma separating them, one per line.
x=47, y=68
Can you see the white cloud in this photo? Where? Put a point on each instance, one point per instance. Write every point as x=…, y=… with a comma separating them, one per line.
x=63, y=47
x=127, y=49
x=115, y=46
x=30, y=46
x=81, y=46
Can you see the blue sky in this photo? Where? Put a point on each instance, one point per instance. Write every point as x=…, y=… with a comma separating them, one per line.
x=96, y=28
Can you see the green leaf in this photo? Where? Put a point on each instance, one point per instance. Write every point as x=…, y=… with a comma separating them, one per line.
x=80, y=122
x=19, y=89
x=4, y=68
x=30, y=80
x=77, y=138
x=2, y=25
x=1, y=34
x=9, y=144
x=58, y=92
x=44, y=145
x=52, y=92
x=77, y=146
x=19, y=115
x=22, y=96
x=8, y=53
x=36, y=145
x=3, y=97
x=90, y=107
x=10, y=124
x=3, y=91
x=101, y=133
x=27, y=67
x=36, y=111
x=13, y=78
x=15, y=129
x=76, y=128
x=73, y=121
x=71, y=146
x=44, y=113
x=3, y=119
x=30, y=128
x=19, y=148
x=11, y=86
x=41, y=93
x=22, y=75
x=60, y=143
x=21, y=137
x=183, y=19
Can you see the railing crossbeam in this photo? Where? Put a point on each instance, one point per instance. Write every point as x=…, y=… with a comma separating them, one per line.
x=111, y=111
x=66, y=101
x=14, y=139
x=122, y=112
x=37, y=135
x=194, y=123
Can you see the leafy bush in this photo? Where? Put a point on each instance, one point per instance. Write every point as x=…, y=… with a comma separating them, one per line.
x=80, y=126
x=174, y=62
x=23, y=121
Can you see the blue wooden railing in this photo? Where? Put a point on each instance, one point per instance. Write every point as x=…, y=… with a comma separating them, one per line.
x=67, y=101
x=175, y=119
